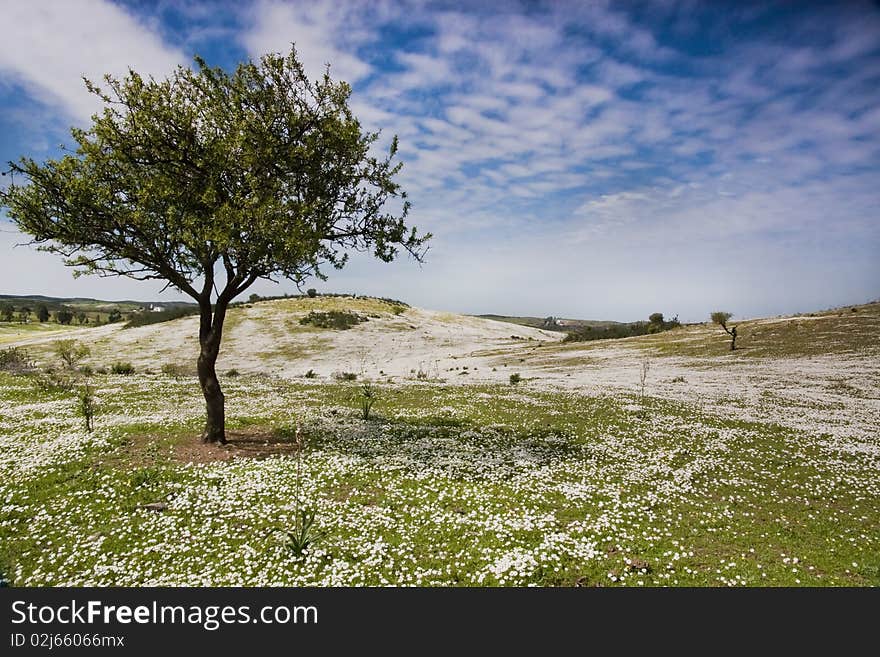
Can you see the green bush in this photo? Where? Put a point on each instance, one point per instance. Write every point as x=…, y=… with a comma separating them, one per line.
x=333, y=319
x=71, y=352
x=515, y=378
x=15, y=360
x=122, y=368
x=345, y=376
x=51, y=381
x=233, y=372
x=177, y=370
x=311, y=374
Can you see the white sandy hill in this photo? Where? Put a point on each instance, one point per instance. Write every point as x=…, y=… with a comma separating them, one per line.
x=268, y=337
x=819, y=375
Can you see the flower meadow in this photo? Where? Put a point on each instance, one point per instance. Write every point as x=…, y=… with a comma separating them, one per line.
x=445, y=485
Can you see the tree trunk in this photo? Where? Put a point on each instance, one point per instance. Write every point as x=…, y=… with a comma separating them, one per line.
x=210, y=333
x=215, y=402
x=732, y=338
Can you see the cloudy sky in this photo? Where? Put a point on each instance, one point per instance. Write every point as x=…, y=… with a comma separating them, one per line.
x=579, y=159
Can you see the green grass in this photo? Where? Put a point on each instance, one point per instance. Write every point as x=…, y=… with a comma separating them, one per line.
x=447, y=485
x=15, y=331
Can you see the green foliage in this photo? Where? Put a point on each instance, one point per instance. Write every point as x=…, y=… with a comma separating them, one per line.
x=721, y=318
x=86, y=406
x=262, y=170
x=145, y=477
x=71, y=352
x=64, y=316
x=311, y=374
x=147, y=318
x=121, y=367
x=333, y=319
x=43, y=313
x=15, y=360
x=656, y=318
x=176, y=370
x=345, y=376
x=515, y=378
x=303, y=533
x=369, y=394
x=51, y=381
x=312, y=293
x=114, y=316
x=233, y=372
x=7, y=312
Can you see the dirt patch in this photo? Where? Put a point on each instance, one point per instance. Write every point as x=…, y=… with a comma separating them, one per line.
x=255, y=443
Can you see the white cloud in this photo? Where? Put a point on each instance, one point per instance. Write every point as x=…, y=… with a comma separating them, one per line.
x=49, y=46
x=324, y=33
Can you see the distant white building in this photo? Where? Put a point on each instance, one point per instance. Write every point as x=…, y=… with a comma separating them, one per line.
x=156, y=309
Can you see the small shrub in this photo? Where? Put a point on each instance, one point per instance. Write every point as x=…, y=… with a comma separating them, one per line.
x=87, y=406
x=345, y=376
x=233, y=372
x=15, y=360
x=369, y=395
x=678, y=379
x=175, y=369
x=311, y=374
x=101, y=370
x=303, y=534
x=515, y=378
x=70, y=352
x=122, y=368
x=334, y=319
x=52, y=381
x=312, y=292
x=148, y=476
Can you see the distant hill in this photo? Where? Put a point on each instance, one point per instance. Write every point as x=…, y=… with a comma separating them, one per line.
x=561, y=324
x=84, y=303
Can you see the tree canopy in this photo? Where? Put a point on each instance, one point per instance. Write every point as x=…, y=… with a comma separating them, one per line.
x=259, y=173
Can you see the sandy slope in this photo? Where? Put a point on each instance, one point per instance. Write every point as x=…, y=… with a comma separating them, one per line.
x=836, y=394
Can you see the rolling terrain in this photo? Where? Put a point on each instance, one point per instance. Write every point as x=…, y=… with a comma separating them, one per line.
x=494, y=454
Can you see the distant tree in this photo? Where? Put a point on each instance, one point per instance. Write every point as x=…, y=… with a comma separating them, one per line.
x=655, y=323
x=82, y=318
x=722, y=318
x=8, y=312
x=254, y=297
x=23, y=315
x=43, y=314
x=312, y=292
x=64, y=316
x=114, y=316
x=258, y=174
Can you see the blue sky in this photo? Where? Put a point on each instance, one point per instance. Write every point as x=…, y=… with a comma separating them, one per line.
x=580, y=159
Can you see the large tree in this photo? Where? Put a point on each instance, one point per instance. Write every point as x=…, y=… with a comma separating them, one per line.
x=211, y=181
